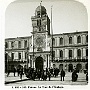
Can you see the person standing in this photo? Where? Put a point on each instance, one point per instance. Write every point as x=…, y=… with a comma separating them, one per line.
x=21, y=72
x=18, y=71
x=62, y=74
x=39, y=74
x=49, y=74
x=74, y=76
x=86, y=75
x=14, y=71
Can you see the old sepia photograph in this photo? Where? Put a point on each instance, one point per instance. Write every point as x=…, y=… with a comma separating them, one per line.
x=46, y=43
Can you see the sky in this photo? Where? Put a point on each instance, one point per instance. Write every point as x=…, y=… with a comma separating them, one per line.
x=67, y=16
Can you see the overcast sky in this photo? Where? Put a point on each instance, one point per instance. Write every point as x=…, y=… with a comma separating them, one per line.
x=68, y=16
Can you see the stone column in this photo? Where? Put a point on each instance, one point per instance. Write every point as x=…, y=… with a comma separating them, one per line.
x=75, y=53
x=29, y=61
x=34, y=64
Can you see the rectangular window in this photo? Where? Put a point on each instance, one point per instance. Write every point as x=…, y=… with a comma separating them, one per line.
x=12, y=44
x=19, y=44
x=70, y=40
x=61, y=54
x=6, y=44
x=70, y=53
x=25, y=43
x=19, y=55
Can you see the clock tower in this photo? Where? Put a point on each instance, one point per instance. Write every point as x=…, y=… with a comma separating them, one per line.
x=40, y=34
x=41, y=29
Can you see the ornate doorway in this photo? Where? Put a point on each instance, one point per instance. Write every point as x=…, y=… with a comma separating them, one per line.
x=39, y=63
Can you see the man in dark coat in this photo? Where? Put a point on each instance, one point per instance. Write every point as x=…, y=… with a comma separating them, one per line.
x=39, y=74
x=62, y=74
x=49, y=74
x=74, y=76
x=21, y=72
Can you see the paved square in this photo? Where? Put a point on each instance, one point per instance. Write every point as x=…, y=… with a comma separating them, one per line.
x=54, y=80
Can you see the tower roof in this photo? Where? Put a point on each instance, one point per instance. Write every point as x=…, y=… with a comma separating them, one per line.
x=40, y=10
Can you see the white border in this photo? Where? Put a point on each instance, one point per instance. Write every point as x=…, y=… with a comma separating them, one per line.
x=3, y=5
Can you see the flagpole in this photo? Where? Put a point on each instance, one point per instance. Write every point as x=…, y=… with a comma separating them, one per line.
x=33, y=48
x=51, y=35
x=40, y=9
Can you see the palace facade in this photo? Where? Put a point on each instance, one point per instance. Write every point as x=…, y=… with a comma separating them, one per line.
x=70, y=50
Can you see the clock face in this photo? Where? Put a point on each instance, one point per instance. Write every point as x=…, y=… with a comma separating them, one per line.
x=39, y=40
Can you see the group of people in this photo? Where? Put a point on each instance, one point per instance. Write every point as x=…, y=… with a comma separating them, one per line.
x=44, y=74
x=38, y=74
x=19, y=71
x=33, y=73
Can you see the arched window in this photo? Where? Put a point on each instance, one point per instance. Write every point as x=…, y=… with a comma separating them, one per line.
x=25, y=43
x=70, y=53
x=12, y=44
x=19, y=44
x=53, y=41
x=79, y=53
x=87, y=39
x=70, y=40
x=61, y=54
x=19, y=55
x=79, y=39
x=61, y=41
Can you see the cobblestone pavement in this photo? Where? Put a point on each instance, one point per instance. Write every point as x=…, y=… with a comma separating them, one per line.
x=54, y=81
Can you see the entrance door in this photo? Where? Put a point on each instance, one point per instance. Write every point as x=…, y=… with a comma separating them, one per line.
x=39, y=63
x=70, y=67
x=79, y=67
